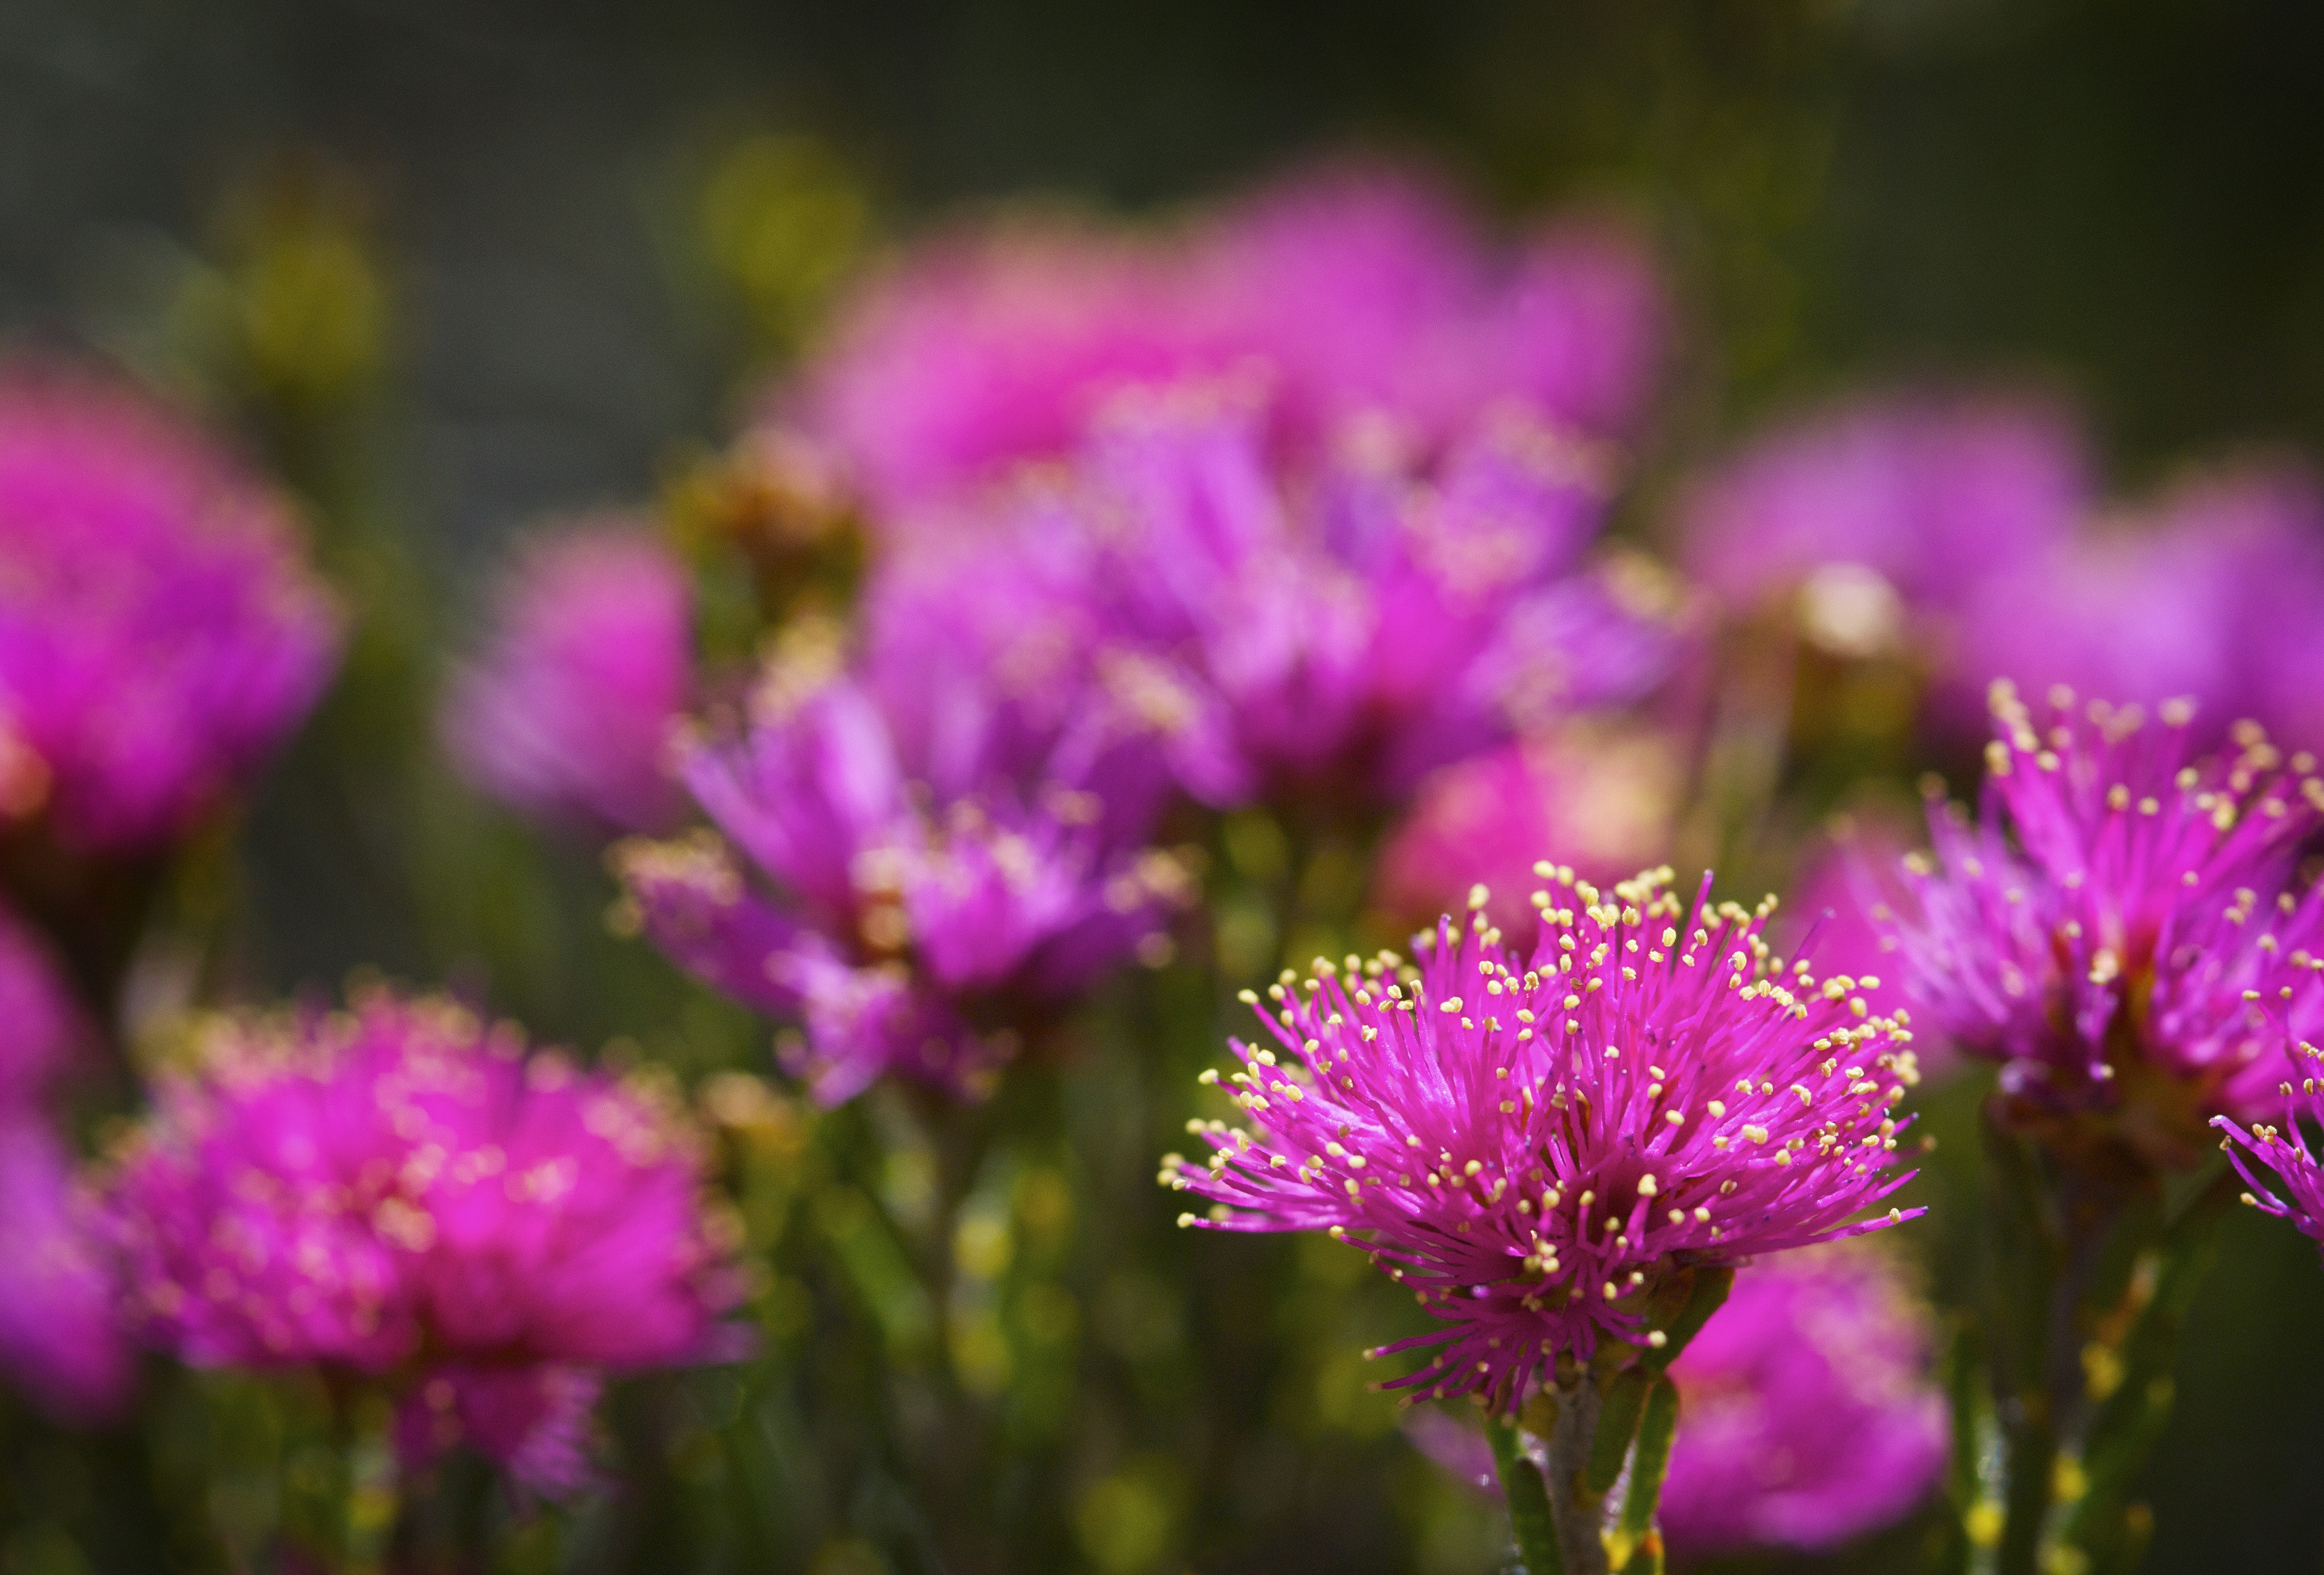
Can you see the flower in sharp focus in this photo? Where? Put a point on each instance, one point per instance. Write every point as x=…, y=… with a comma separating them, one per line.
x=2107, y=926
x=401, y=1192
x=1538, y=1146
x=566, y=712
x=2297, y=1193
x=59, y=1342
x=914, y=916
x=160, y=629
x=1809, y=1418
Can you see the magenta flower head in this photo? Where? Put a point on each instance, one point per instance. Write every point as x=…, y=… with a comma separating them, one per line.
x=59, y=1342
x=2217, y=595
x=1885, y=517
x=401, y=1193
x=2298, y=1194
x=1809, y=1419
x=2102, y=928
x=1360, y=297
x=1540, y=1146
x=1366, y=293
x=926, y=916
x=987, y=347
x=1607, y=799
x=1358, y=632
x=567, y=713
x=160, y=629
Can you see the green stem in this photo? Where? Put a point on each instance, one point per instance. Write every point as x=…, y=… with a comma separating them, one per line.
x=1638, y=1538
x=1528, y=1501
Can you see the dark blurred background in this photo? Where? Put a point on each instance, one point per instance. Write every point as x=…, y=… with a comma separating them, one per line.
x=2125, y=199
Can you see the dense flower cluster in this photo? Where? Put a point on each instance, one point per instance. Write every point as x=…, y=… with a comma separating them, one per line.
x=1808, y=1415
x=567, y=714
x=401, y=1192
x=160, y=631
x=1533, y=1145
x=2099, y=928
x=919, y=915
x=1360, y=297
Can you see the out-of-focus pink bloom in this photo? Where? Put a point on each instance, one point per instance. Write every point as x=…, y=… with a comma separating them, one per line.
x=41, y=1025
x=2217, y=595
x=59, y=1342
x=1927, y=496
x=1806, y=1414
x=401, y=1192
x=1599, y=802
x=1351, y=634
x=160, y=629
x=1843, y=879
x=2114, y=900
x=1534, y=1143
x=566, y=712
x=1361, y=298
x=1365, y=293
x=921, y=905
x=992, y=345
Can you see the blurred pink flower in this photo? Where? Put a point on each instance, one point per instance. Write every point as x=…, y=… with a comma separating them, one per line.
x=159, y=629
x=991, y=345
x=1806, y=1415
x=1367, y=292
x=59, y=1342
x=400, y=1191
x=2216, y=594
x=566, y=712
x=1360, y=299
x=1597, y=800
x=1932, y=493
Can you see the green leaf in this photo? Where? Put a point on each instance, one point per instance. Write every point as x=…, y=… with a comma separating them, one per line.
x=1527, y=1499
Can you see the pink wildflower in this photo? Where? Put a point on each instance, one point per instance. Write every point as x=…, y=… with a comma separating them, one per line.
x=1537, y=1146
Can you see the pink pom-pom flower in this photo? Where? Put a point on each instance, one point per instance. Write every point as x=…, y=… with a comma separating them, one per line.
x=401, y=1193
x=159, y=629
x=2116, y=924
x=1537, y=1144
x=1807, y=1418
x=567, y=713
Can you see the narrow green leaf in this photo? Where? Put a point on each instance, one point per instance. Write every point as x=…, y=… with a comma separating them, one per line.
x=1656, y=1429
x=1528, y=1501
x=1617, y=1423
